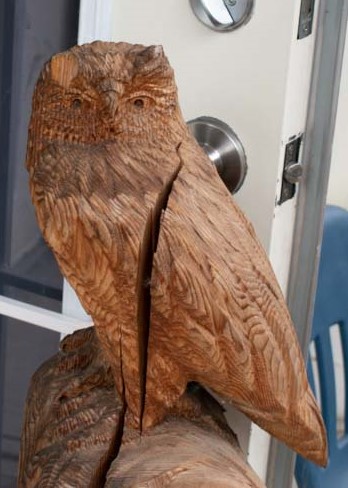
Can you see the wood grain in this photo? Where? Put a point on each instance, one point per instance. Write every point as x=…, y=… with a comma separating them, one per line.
x=181, y=453
x=97, y=191
x=72, y=418
x=227, y=325
x=70, y=433
x=157, y=250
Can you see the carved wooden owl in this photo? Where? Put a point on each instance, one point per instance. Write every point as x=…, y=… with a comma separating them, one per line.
x=156, y=248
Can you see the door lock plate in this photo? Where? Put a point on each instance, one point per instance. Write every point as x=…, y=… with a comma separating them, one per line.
x=292, y=171
x=306, y=19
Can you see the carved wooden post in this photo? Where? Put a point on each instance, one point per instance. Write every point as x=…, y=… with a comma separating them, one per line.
x=157, y=250
x=73, y=432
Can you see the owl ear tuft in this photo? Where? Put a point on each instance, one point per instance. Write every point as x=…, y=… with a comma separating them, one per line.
x=64, y=68
x=149, y=58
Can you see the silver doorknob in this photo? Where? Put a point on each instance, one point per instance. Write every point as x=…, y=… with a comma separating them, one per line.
x=222, y=15
x=223, y=148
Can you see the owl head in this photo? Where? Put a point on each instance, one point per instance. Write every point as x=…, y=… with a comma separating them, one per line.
x=103, y=92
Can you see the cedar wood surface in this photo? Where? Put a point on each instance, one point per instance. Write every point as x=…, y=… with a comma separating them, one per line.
x=160, y=255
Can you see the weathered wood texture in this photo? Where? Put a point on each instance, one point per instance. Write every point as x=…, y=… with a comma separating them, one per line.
x=229, y=325
x=73, y=432
x=71, y=419
x=156, y=248
x=181, y=454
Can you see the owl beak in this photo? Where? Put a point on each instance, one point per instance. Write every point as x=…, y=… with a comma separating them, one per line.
x=111, y=91
x=111, y=98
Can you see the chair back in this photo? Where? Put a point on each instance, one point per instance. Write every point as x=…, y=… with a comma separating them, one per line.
x=331, y=309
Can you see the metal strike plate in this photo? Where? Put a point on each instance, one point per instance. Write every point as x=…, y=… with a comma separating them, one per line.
x=306, y=19
x=223, y=148
x=222, y=15
x=292, y=171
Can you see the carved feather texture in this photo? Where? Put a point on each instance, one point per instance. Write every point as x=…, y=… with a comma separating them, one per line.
x=73, y=418
x=228, y=327
x=157, y=250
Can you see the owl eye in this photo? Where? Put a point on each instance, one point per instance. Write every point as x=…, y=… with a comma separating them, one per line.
x=139, y=103
x=76, y=103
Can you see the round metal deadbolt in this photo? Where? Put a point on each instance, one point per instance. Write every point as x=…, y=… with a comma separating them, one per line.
x=222, y=15
x=223, y=148
x=293, y=172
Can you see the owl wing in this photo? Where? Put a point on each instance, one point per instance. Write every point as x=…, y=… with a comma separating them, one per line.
x=218, y=316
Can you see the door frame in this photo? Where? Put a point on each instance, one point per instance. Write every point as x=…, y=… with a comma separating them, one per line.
x=318, y=141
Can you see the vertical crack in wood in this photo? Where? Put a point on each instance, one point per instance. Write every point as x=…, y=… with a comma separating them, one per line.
x=148, y=249
x=100, y=478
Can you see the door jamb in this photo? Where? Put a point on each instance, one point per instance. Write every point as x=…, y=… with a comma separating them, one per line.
x=320, y=126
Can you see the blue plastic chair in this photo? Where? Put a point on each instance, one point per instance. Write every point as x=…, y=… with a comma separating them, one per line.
x=331, y=307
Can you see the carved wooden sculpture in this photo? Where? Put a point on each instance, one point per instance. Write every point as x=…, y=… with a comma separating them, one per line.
x=73, y=426
x=72, y=418
x=156, y=248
